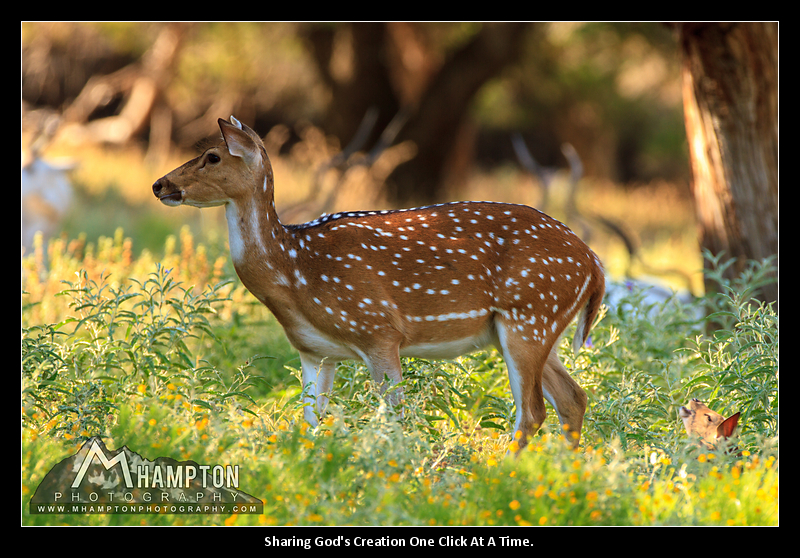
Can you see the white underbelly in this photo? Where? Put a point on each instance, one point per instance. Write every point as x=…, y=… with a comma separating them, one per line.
x=449, y=349
x=307, y=338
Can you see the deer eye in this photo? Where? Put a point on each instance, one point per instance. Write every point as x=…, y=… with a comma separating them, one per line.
x=213, y=158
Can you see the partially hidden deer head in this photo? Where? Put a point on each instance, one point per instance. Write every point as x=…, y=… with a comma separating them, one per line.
x=708, y=426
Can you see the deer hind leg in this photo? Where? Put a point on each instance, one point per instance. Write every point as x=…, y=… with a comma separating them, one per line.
x=318, y=377
x=565, y=395
x=525, y=364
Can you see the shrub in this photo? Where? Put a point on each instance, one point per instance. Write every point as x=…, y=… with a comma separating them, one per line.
x=174, y=370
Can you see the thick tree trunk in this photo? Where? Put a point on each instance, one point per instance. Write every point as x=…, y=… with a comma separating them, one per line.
x=730, y=96
x=441, y=113
x=388, y=67
x=351, y=60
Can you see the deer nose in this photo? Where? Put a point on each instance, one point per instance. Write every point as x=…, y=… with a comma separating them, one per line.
x=167, y=192
x=158, y=185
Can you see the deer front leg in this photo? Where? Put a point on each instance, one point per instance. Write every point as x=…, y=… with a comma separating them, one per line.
x=318, y=377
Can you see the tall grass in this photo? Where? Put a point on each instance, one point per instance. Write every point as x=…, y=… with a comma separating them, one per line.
x=172, y=359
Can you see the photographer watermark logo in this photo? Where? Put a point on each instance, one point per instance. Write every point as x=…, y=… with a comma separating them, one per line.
x=98, y=480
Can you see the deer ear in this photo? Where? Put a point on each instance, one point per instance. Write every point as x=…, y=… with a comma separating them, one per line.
x=728, y=426
x=238, y=141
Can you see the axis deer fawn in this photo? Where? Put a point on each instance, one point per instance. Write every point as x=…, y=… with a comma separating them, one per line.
x=708, y=426
x=433, y=282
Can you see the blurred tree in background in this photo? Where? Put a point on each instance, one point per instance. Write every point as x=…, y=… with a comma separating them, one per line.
x=610, y=90
x=395, y=66
x=616, y=92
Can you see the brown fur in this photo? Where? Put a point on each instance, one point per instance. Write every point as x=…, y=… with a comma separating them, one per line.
x=434, y=282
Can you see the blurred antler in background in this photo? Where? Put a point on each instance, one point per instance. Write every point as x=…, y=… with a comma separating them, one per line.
x=581, y=220
x=352, y=188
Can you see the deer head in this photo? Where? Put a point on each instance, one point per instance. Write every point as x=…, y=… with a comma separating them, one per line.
x=709, y=427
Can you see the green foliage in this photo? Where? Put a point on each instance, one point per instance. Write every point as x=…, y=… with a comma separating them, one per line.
x=171, y=370
x=649, y=361
x=119, y=337
x=738, y=362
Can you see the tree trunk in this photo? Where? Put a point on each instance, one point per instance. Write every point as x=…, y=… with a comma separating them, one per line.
x=438, y=121
x=730, y=96
x=351, y=61
x=388, y=67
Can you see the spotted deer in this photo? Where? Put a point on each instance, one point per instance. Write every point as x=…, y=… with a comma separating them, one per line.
x=708, y=427
x=433, y=282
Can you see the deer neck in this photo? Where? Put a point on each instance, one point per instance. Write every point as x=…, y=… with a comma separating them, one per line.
x=260, y=245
